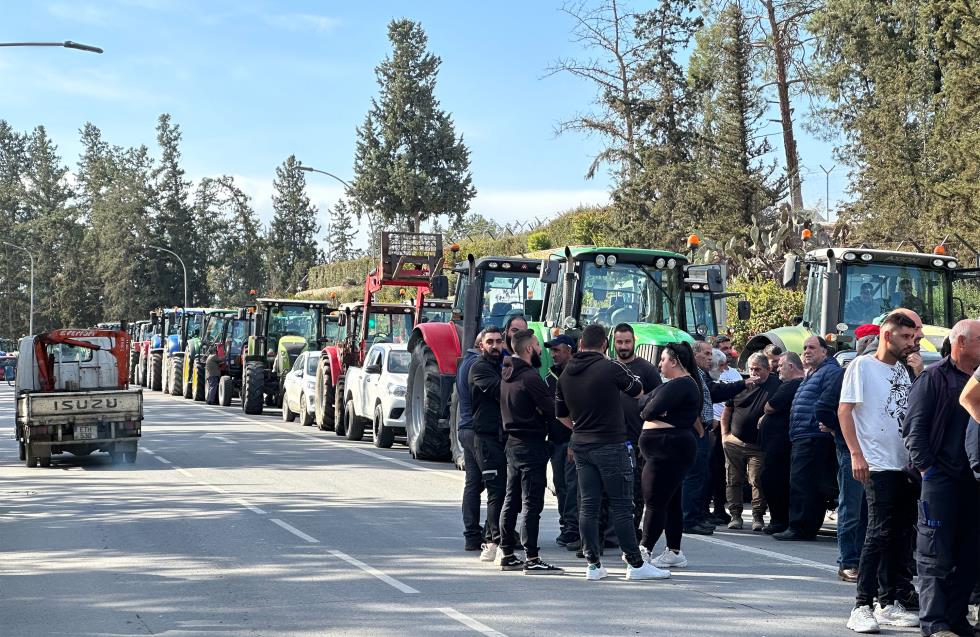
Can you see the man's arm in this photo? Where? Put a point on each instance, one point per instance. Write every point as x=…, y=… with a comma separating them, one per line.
x=627, y=382
x=726, y=421
x=918, y=422
x=970, y=398
x=720, y=392
x=484, y=379
x=543, y=399
x=826, y=409
x=859, y=466
x=561, y=407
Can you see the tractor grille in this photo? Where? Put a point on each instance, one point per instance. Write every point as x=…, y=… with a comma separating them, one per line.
x=649, y=353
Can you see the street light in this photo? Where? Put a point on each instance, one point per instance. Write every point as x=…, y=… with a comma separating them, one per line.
x=350, y=190
x=827, y=172
x=30, y=329
x=181, y=265
x=67, y=44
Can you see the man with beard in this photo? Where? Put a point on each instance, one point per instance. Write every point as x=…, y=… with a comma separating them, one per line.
x=624, y=341
x=527, y=409
x=484, y=380
x=873, y=402
x=473, y=485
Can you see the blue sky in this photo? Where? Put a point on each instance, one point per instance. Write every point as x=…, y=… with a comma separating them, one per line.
x=252, y=82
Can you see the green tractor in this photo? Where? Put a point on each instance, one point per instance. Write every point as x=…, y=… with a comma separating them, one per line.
x=192, y=379
x=282, y=329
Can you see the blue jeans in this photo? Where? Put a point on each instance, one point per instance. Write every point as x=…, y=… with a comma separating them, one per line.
x=606, y=470
x=695, y=482
x=852, y=510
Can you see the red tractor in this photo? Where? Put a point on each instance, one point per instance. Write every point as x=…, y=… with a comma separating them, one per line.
x=408, y=259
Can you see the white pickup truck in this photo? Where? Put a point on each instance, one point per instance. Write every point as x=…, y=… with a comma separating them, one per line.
x=72, y=395
x=375, y=394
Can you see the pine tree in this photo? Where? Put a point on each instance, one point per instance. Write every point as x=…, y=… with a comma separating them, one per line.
x=342, y=232
x=409, y=164
x=13, y=166
x=292, y=247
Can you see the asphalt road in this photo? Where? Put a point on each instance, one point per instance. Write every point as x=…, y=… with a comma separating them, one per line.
x=244, y=525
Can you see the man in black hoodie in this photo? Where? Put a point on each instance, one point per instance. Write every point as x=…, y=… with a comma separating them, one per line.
x=526, y=407
x=485, y=402
x=588, y=403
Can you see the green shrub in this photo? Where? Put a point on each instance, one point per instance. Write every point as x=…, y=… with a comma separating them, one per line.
x=772, y=306
x=538, y=241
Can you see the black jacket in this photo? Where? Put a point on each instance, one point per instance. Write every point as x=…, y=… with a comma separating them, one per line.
x=588, y=393
x=557, y=432
x=526, y=405
x=485, y=396
x=935, y=425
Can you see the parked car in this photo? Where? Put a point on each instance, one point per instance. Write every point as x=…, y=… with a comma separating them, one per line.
x=299, y=387
x=375, y=394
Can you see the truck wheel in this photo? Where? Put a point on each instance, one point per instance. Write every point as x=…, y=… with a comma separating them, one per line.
x=305, y=417
x=44, y=461
x=155, y=371
x=353, y=423
x=457, y=449
x=23, y=451
x=287, y=413
x=198, y=383
x=323, y=398
x=423, y=408
x=176, y=376
x=340, y=427
x=225, y=390
x=115, y=457
x=384, y=437
x=253, y=384
x=129, y=457
x=31, y=461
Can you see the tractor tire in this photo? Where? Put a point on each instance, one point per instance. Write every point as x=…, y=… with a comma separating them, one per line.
x=198, y=383
x=323, y=398
x=176, y=376
x=459, y=458
x=423, y=408
x=225, y=390
x=353, y=423
x=253, y=386
x=340, y=426
x=134, y=359
x=384, y=437
x=155, y=371
x=187, y=378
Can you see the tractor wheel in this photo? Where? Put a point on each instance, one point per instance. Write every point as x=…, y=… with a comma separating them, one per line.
x=253, y=386
x=457, y=449
x=340, y=426
x=134, y=359
x=155, y=371
x=384, y=437
x=198, y=383
x=323, y=397
x=176, y=376
x=353, y=423
x=423, y=408
x=187, y=378
x=225, y=390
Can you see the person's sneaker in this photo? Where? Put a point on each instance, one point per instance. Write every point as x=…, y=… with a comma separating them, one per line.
x=862, y=620
x=574, y=545
x=735, y=523
x=489, y=552
x=537, y=566
x=668, y=559
x=473, y=545
x=849, y=574
x=719, y=519
x=510, y=563
x=499, y=557
x=644, y=553
x=896, y=615
x=699, y=529
x=772, y=529
x=595, y=572
x=789, y=535
x=647, y=571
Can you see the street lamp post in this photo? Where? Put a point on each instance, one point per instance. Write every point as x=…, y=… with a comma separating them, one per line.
x=350, y=189
x=67, y=44
x=827, y=172
x=30, y=328
x=181, y=265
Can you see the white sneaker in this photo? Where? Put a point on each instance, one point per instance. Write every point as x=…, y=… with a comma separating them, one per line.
x=594, y=573
x=489, y=552
x=896, y=615
x=862, y=620
x=644, y=553
x=668, y=559
x=647, y=571
x=498, y=557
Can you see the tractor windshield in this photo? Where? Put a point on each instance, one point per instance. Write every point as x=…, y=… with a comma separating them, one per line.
x=238, y=334
x=436, y=315
x=292, y=320
x=630, y=293
x=215, y=326
x=872, y=289
x=388, y=328
x=332, y=331
x=194, y=323
x=173, y=325
x=506, y=294
x=700, y=309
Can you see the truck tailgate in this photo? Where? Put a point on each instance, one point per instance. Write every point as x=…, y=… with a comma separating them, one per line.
x=91, y=406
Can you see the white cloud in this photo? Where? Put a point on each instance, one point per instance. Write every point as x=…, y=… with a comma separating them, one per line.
x=303, y=22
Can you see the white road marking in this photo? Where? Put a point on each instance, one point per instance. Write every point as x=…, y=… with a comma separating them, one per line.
x=367, y=568
x=470, y=622
x=782, y=557
x=220, y=437
x=292, y=529
x=162, y=459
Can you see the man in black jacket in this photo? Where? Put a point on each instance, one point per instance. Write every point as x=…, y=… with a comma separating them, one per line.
x=562, y=468
x=485, y=401
x=527, y=409
x=588, y=403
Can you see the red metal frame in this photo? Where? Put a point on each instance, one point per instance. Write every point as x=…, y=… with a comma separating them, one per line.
x=45, y=362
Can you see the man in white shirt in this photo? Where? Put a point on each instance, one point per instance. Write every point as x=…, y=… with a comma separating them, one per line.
x=873, y=402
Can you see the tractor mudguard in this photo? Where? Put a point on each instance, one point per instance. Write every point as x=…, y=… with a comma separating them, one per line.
x=789, y=338
x=332, y=355
x=442, y=339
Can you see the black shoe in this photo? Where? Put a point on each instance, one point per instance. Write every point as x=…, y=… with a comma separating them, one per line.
x=699, y=529
x=473, y=545
x=574, y=545
x=561, y=540
x=535, y=566
x=511, y=563
x=791, y=535
x=772, y=529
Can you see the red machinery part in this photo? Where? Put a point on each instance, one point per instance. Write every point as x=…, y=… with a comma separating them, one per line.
x=45, y=363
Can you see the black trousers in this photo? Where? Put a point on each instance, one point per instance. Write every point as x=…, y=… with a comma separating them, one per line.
x=946, y=551
x=212, y=392
x=668, y=453
x=714, y=489
x=775, y=472
x=473, y=531
x=812, y=483
x=883, y=570
x=527, y=479
x=492, y=460
x=606, y=470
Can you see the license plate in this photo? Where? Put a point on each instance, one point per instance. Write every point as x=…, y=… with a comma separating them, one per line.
x=86, y=432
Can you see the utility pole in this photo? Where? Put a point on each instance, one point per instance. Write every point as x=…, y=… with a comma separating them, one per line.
x=181, y=265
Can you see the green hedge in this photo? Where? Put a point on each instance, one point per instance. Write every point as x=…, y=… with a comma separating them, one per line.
x=772, y=306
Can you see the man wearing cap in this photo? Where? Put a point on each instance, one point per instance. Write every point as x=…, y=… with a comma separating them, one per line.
x=563, y=469
x=862, y=308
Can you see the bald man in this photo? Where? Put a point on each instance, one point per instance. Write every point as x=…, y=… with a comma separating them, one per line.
x=934, y=431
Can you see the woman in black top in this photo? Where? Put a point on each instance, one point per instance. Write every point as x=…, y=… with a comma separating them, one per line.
x=671, y=421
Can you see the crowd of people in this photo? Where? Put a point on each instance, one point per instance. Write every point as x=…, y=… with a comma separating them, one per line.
x=639, y=451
